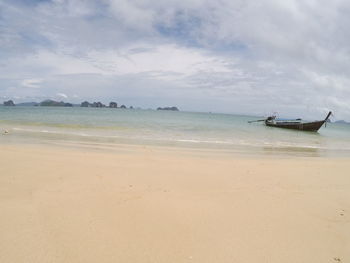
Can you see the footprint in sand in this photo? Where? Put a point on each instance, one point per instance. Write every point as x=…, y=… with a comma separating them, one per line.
x=337, y=259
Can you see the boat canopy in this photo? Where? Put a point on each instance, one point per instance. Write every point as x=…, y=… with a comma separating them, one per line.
x=282, y=119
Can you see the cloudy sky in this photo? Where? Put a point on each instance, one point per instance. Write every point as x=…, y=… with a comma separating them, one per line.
x=238, y=56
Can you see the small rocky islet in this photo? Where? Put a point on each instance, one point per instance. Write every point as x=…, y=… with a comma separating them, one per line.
x=86, y=104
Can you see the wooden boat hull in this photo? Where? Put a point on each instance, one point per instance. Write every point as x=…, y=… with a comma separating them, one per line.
x=313, y=126
x=309, y=126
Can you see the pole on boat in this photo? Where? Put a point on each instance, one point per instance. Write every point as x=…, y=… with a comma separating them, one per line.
x=325, y=120
x=329, y=114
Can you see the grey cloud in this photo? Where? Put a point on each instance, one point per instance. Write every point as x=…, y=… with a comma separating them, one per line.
x=231, y=55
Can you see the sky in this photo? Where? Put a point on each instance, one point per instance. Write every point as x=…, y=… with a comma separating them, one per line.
x=231, y=56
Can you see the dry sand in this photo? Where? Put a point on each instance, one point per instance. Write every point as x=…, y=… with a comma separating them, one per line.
x=151, y=205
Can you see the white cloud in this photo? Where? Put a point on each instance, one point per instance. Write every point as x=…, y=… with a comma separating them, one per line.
x=230, y=54
x=62, y=95
x=31, y=83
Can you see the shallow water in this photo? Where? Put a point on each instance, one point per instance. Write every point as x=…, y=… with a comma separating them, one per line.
x=167, y=128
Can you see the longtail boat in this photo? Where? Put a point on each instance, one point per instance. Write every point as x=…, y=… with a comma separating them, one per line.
x=295, y=124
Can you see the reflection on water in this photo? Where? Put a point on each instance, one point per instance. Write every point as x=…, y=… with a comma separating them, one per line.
x=295, y=151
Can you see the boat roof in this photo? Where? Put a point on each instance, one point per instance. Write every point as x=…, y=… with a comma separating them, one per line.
x=283, y=119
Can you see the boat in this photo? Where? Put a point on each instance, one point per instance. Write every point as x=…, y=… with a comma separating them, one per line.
x=295, y=124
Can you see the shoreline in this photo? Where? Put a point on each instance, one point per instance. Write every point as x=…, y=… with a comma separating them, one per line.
x=211, y=132
x=239, y=151
x=146, y=204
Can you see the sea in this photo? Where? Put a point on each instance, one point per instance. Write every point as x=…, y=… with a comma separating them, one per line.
x=109, y=127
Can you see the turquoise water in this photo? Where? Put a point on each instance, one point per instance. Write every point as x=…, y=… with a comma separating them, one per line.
x=96, y=126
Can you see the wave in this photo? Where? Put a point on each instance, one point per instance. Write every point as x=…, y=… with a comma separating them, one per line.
x=64, y=125
x=165, y=139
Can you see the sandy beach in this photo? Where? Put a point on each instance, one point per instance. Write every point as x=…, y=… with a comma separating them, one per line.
x=148, y=204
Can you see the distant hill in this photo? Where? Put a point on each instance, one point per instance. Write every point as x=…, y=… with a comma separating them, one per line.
x=27, y=104
x=53, y=103
x=9, y=103
x=168, y=108
x=99, y=104
x=342, y=121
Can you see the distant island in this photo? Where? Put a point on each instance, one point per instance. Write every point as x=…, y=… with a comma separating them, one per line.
x=55, y=103
x=86, y=104
x=99, y=104
x=28, y=104
x=168, y=108
x=342, y=121
x=9, y=103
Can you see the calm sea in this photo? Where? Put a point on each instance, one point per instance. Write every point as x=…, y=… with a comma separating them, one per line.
x=104, y=126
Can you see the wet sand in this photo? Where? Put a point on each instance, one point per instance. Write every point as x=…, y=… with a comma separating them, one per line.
x=147, y=204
